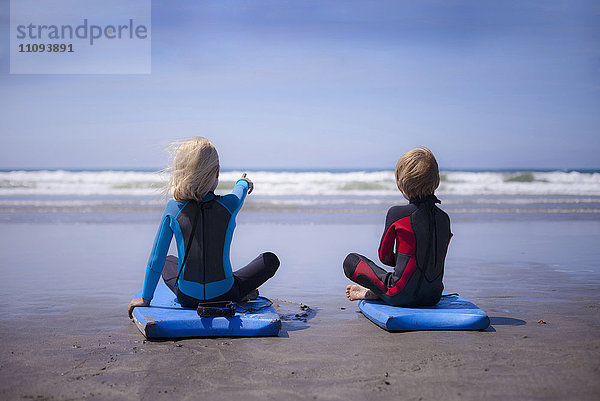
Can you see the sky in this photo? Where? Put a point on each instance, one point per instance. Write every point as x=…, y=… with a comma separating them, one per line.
x=321, y=84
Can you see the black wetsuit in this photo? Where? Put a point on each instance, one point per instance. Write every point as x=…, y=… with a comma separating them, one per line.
x=203, y=270
x=421, y=232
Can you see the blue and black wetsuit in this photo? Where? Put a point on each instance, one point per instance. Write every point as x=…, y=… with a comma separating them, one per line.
x=206, y=273
x=421, y=233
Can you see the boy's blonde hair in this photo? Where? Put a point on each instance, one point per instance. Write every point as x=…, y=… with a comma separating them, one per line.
x=417, y=173
x=194, y=168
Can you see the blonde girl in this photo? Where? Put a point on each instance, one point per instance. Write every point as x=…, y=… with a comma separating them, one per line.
x=203, y=225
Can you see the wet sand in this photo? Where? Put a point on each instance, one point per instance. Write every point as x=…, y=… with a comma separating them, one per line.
x=73, y=340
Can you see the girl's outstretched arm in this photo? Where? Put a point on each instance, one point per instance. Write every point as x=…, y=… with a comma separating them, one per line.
x=234, y=201
x=242, y=187
x=250, y=183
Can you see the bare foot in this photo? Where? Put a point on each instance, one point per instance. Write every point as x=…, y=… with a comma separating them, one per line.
x=354, y=292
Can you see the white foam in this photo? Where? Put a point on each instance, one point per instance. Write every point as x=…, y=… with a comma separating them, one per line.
x=61, y=182
x=303, y=184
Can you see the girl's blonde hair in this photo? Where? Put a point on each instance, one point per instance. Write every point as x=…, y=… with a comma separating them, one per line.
x=193, y=170
x=417, y=173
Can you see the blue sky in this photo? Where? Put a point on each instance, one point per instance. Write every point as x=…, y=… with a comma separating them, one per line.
x=327, y=84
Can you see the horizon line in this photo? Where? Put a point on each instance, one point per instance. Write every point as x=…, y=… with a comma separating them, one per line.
x=308, y=169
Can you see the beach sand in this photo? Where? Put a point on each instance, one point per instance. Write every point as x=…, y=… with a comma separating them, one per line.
x=65, y=333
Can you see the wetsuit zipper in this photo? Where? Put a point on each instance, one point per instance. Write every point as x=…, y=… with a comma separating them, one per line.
x=432, y=236
x=203, y=252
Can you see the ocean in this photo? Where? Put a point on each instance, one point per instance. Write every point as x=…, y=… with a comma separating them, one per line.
x=299, y=196
x=75, y=246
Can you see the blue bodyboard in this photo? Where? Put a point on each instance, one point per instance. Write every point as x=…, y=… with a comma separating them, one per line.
x=165, y=318
x=451, y=313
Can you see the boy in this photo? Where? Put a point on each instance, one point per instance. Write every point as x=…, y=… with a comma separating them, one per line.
x=421, y=233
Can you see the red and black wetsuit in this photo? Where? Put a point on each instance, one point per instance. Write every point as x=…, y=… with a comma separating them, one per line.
x=421, y=232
